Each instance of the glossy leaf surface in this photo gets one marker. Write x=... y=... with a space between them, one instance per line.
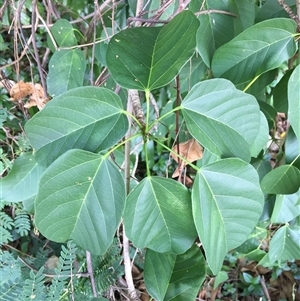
x=81 y=197
x=223 y=119
x=149 y=58
x=158 y=215
x=174 y=277
x=227 y=203
x=88 y=118
x=260 y=48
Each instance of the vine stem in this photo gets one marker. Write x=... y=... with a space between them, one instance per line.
x=126 y=254
x=90 y=272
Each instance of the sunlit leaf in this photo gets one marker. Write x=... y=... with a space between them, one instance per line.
x=227 y=203
x=158 y=215
x=174 y=277
x=81 y=197
x=88 y=118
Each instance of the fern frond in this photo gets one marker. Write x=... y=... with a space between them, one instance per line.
x=41 y=256
x=10 y=275
x=10 y=269
x=34 y=288
x=11 y=291
x=107 y=269
x=5 y=236
x=6 y=221
x=63 y=271
x=22 y=223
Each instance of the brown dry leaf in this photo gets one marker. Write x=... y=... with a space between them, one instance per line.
x=35 y=92
x=20 y=90
x=190 y=150
x=36 y=98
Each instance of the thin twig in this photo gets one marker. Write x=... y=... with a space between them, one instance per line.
x=90 y=272
x=36 y=52
x=264 y=287
x=126 y=255
x=215 y=11
x=290 y=12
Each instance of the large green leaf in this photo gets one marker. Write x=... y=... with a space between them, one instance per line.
x=286 y=208
x=217 y=29
x=66 y=71
x=284 y=244
x=261 y=138
x=272 y=9
x=149 y=58
x=63 y=33
x=88 y=118
x=174 y=277
x=22 y=181
x=158 y=215
x=294 y=101
x=260 y=48
x=227 y=203
x=292 y=149
x=81 y=197
x=223 y=119
x=284 y=179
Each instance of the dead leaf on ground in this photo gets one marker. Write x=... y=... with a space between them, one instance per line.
x=191 y=150
x=35 y=93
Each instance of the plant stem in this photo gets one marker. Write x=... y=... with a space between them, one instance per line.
x=126 y=255
x=90 y=272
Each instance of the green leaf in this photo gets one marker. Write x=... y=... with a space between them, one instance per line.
x=293 y=101
x=158 y=215
x=88 y=118
x=280 y=93
x=227 y=203
x=284 y=244
x=81 y=197
x=284 y=179
x=217 y=29
x=221 y=277
x=3 y=46
x=191 y=73
x=261 y=138
x=63 y=34
x=66 y=71
x=22 y=181
x=149 y=58
x=286 y=208
x=262 y=167
x=174 y=277
x=223 y=119
x=260 y=48
x=272 y=9
x=292 y=149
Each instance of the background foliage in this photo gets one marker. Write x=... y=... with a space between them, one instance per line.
x=101 y=102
